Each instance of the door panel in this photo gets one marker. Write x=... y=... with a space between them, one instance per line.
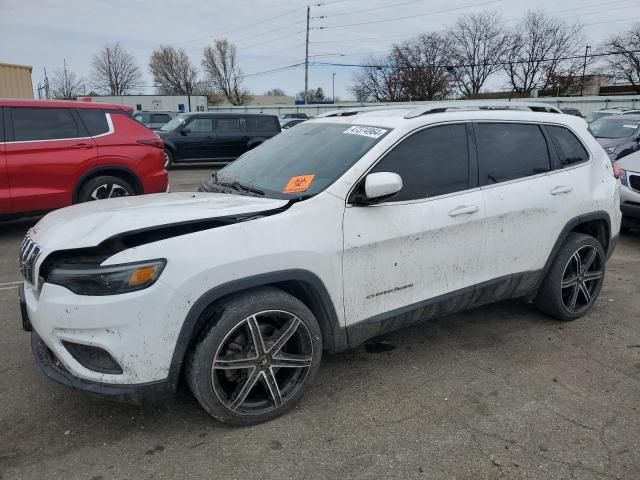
x=197 y=144
x=42 y=169
x=396 y=255
x=231 y=139
x=5 y=194
x=426 y=240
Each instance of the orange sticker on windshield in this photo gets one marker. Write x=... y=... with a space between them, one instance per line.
x=299 y=183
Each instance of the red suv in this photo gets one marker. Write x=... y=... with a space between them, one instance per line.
x=56 y=153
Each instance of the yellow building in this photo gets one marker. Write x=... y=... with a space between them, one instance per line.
x=15 y=81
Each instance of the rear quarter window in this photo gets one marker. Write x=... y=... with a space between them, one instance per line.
x=570 y=150
x=94 y=120
x=262 y=124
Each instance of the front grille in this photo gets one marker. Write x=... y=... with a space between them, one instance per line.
x=29 y=253
x=634 y=182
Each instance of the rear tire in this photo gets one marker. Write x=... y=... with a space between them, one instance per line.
x=574 y=280
x=256 y=360
x=104 y=187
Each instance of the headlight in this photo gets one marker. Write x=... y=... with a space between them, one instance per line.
x=610 y=149
x=623 y=177
x=109 y=280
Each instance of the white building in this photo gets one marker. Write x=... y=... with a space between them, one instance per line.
x=175 y=103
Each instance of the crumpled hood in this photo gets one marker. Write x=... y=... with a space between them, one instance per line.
x=88 y=224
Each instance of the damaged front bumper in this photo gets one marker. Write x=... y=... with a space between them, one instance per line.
x=153 y=393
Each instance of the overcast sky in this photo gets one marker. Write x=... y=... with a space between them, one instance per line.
x=42 y=33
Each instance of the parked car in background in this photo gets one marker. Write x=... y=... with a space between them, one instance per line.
x=214 y=137
x=593 y=116
x=302 y=116
x=630 y=189
x=619 y=135
x=154 y=120
x=285 y=124
x=57 y=153
x=572 y=111
x=333 y=232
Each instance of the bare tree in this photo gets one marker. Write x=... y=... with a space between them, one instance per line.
x=537 y=51
x=219 y=61
x=65 y=85
x=625 y=63
x=421 y=65
x=478 y=45
x=378 y=80
x=275 y=92
x=115 y=71
x=172 y=71
x=313 y=96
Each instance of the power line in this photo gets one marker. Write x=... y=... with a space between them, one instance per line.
x=495 y=64
x=386 y=20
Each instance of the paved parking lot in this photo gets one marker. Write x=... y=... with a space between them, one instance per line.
x=497 y=392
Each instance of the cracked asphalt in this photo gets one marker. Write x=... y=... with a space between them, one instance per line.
x=499 y=392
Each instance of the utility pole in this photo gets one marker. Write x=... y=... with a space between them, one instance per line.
x=333 y=88
x=306 y=58
x=584 y=68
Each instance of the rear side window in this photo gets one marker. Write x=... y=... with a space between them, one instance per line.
x=261 y=124
x=94 y=120
x=431 y=162
x=508 y=151
x=43 y=124
x=160 y=118
x=228 y=124
x=569 y=148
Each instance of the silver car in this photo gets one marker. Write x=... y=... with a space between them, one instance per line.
x=154 y=120
x=630 y=189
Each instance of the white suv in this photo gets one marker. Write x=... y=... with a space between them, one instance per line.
x=331 y=233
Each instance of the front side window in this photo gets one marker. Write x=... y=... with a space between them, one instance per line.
x=569 y=148
x=201 y=125
x=94 y=120
x=302 y=161
x=43 y=124
x=142 y=117
x=508 y=151
x=431 y=162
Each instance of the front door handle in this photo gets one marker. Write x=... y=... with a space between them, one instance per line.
x=463 y=210
x=82 y=145
x=561 y=189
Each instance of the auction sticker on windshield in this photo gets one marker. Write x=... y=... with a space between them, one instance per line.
x=299 y=183
x=372 y=132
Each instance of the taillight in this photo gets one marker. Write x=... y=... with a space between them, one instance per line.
x=152 y=142
x=617 y=172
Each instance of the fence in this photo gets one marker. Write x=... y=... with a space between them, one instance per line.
x=586 y=105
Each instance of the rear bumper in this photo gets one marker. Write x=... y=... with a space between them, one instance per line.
x=156 y=183
x=631 y=211
x=154 y=393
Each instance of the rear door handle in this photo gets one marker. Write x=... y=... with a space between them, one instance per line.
x=463 y=210
x=82 y=145
x=561 y=189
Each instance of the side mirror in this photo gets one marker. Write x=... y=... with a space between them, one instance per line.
x=185 y=131
x=380 y=186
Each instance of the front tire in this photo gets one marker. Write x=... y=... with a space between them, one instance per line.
x=168 y=159
x=574 y=280
x=255 y=362
x=104 y=187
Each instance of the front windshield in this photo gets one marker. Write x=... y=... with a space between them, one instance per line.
x=302 y=161
x=593 y=116
x=614 y=128
x=173 y=124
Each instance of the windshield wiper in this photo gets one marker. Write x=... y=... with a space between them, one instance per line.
x=235 y=185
